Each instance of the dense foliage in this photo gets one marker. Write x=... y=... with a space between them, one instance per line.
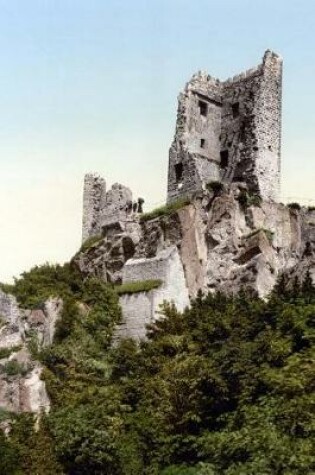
x=224 y=388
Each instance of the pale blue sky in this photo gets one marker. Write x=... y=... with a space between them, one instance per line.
x=91 y=85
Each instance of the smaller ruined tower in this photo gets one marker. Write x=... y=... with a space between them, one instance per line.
x=94 y=195
x=103 y=209
x=229 y=131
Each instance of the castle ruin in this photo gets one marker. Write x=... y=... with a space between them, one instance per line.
x=219 y=238
x=229 y=131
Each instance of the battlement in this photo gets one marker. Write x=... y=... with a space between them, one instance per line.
x=229 y=131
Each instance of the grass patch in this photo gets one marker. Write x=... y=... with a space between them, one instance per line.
x=89 y=242
x=14 y=368
x=139 y=286
x=6 y=352
x=165 y=210
x=4 y=414
x=247 y=199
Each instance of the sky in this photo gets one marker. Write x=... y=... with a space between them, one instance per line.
x=92 y=85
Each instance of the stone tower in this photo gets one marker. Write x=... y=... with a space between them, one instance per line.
x=229 y=131
x=94 y=194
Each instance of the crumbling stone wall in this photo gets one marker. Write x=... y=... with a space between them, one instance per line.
x=104 y=210
x=229 y=131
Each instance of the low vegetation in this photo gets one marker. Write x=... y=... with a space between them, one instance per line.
x=224 y=388
x=14 y=368
x=165 y=210
x=215 y=186
x=269 y=234
x=139 y=286
x=6 y=352
x=294 y=206
x=247 y=199
x=35 y=286
x=90 y=242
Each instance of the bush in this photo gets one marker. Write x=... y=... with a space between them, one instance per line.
x=166 y=210
x=34 y=287
x=215 y=186
x=247 y=199
x=139 y=286
x=6 y=352
x=294 y=206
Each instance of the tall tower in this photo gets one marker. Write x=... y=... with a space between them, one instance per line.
x=229 y=131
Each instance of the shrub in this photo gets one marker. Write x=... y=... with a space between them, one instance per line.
x=14 y=368
x=90 y=242
x=35 y=286
x=247 y=199
x=6 y=352
x=215 y=186
x=165 y=210
x=139 y=286
x=295 y=206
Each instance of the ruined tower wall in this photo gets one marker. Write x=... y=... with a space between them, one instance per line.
x=268 y=117
x=94 y=195
x=195 y=152
x=238 y=127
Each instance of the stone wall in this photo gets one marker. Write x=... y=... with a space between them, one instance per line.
x=142 y=308
x=229 y=131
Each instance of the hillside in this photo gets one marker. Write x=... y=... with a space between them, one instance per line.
x=225 y=387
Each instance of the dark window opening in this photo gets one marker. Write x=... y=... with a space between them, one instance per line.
x=202 y=143
x=270 y=148
x=224 y=155
x=203 y=107
x=178 y=171
x=236 y=109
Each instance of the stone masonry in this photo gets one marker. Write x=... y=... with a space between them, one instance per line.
x=229 y=131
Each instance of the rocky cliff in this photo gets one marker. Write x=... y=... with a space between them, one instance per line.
x=226 y=239
x=22 y=333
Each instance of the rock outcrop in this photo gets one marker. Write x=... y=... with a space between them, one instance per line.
x=223 y=241
x=21 y=330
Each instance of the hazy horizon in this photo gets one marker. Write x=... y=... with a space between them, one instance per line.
x=92 y=87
